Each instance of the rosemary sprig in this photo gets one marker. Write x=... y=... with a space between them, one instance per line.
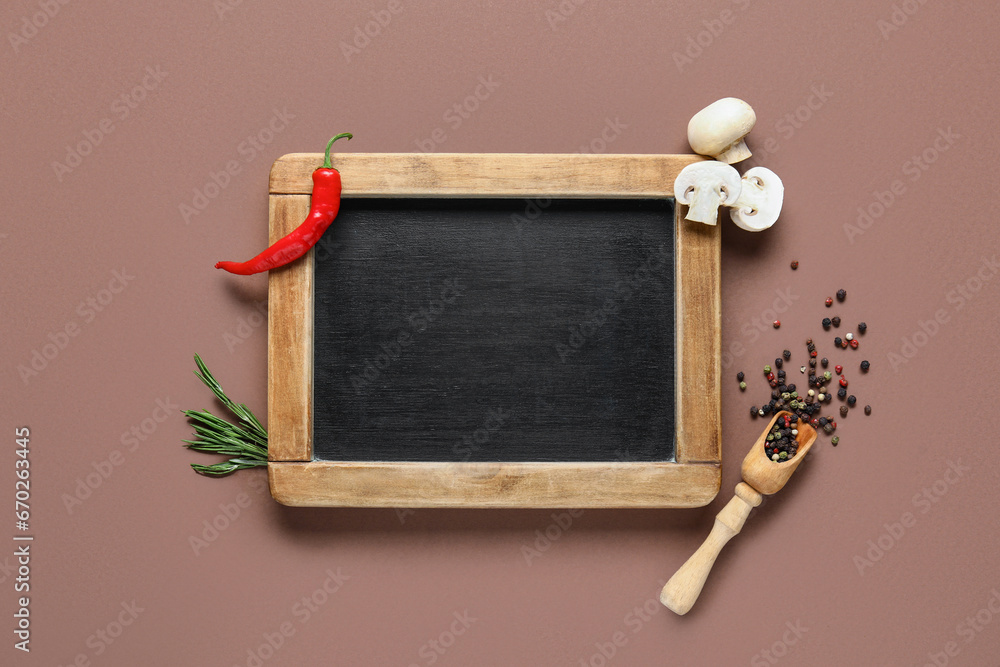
x=245 y=441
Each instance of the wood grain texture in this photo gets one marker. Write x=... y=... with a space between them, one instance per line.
x=418 y=484
x=531 y=176
x=289 y=341
x=567 y=175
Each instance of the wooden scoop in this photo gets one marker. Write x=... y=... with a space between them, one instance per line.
x=761 y=475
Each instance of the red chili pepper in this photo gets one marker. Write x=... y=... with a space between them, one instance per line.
x=323 y=209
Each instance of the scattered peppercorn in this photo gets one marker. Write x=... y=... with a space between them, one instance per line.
x=827 y=428
x=767 y=369
x=795 y=265
x=753 y=410
x=841 y=393
x=851 y=400
x=839 y=369
x=862 y=327
x=825 y=362
x=854 y=344
x=812 y=363
x=777 y=324
x=836 y=321
x=826 y=323
x=843 y=410
x=829 y=302
x=743 y=386
x=868 y=409
x=849 y=336
x=740 y=376
x=837 y=341
x=843 y=381
x=835 y=440
x=865 y=365
x=841 y=294
x=787 y=354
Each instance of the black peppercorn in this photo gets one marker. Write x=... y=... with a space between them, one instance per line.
x=790 y=388
x=843 y=410
x=812 y=363
x=841 y=294
x=862 y=327
x=778 y=362
x=836 y=321
x=865 y=365
x=837 y=341
x=753 y=410
x=868 y=409
x=740 y=376
x=787 y=354
x=822 y=421
x=851 y=400
x=826 y=322
x=825 y=362
x=841 y=393
x=828 y=429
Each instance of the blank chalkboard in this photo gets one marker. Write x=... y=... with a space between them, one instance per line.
x=494 y=330
x=459 y=329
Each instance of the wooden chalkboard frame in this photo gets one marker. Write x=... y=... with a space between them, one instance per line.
x=691 y=480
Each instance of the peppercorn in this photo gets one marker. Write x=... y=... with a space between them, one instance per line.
x=841 y=393
x=841 y=294
x=781 y=375
x=836 y=321
x=802 y=369
x=835 y=440
x=829 y=302
x=868 y=409
x=740 y=376
x=862 y=327
x=826 y=322
x=795 y=265
x=743 y=386
x=865 y=365
x=843 y=410
x=851 y=400
x=767 y=369
x=809 y=341
x=828 y=429
x=791 y=389
x=787 y=354
x=821 y=397
x=854 y=344
x=825 y=362
x=849 y=336
x=843 y=344
x=812 y=363
x=839 y=369
x=753 y=410
x=822 y=421
x=813 y=354
x=777 y=324
x=778 y=363
x=843 y=381
x=837 y=341
x=827 y=375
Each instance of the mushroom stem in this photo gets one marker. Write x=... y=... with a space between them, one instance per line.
x=734 y=153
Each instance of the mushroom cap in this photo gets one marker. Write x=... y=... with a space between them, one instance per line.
x=704 y=186
x=720 y=125
x=760 y=200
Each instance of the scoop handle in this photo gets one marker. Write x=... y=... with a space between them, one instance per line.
x=682 y=590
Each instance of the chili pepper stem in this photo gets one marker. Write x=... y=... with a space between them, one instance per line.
x=326 y=162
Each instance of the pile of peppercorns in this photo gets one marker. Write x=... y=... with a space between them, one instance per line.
x=781 y=444
x=806 y=408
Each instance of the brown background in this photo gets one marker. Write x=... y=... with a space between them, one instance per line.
x=886 y=96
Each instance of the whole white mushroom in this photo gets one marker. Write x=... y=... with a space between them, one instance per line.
x=704 y=186
x=719 y=130
x=761 y=196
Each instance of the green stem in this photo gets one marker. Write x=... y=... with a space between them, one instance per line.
x=326 y=163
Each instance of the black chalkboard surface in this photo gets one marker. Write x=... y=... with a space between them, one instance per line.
x=495 y=330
